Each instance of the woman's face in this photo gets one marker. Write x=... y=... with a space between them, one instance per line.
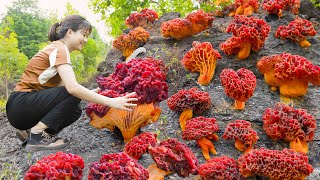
x=79 y=39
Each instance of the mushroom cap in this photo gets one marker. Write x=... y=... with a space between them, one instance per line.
x=199 y=127
x=127 y=43
x=238 y=85
x=275 y=164
x=57 y=166
x=200 y=20
x=139 y=144
x=117 y=166
x=285 y=122
x=249 y=29
x=172 y=155
x=289 y=67
x=143 y=19
x=247 y=3
x=223 y=167
x=177 y=28
x=199 y=101
x=274 y=6
x=241 y=130
x=297 y=30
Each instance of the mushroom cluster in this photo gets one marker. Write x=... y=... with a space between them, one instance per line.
x=245 y=7
x=277 y=6
x=291 y=73
x=297 y=30
x=144 y=76
x=248 y=33
x=143 y=19
x=180 y=28
x=294 y=125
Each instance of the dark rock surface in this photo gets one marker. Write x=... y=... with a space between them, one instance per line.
x=91 y=143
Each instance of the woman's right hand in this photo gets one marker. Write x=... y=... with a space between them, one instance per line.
x=123 y=102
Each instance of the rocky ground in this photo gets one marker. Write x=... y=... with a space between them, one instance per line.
x=91 y=143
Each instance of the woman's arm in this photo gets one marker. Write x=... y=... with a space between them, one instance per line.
x=67 y=75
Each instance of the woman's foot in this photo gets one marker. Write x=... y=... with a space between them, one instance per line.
x=45 y=141
x=22 y=135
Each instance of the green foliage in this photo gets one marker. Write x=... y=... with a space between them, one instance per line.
x=115 y=12
x=316 y=3
x=10 y=171
x=12 y=61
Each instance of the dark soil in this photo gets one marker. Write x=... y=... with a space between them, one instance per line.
x=91 y=143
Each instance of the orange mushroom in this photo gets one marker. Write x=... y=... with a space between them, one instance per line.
x=201 y=58
x=277 y=6
x=127 y=43
x=245 y=7
x=291 y=73
x=248 y=33
x=187 y=102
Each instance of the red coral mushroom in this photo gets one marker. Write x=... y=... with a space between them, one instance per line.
x=297 y=30
x=245 y=7
x=57 y=166
x=143 y=19
x=180 y=28
x=238 y=85
x=187 y=102
x=202 y=129
x=117 y=166
x=139 y=144
x=242 y=132
x=274 y=164
x=220 y=168
x=248 y=33
x=276 y=6
x=144 y=76
x=291 y=73
x=172 y=155
x=127 y=43
x=201 y=58
x=294 y=125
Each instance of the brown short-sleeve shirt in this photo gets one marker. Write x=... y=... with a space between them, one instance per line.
x=44 y=63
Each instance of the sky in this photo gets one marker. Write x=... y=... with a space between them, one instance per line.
x=60 y=7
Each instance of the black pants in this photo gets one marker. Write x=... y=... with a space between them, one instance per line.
x=54 y=107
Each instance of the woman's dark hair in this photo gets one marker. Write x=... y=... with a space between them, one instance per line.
x=75 y=22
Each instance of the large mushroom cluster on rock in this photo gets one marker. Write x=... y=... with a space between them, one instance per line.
x=147 y=76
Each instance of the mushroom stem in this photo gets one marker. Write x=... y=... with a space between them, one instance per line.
x=239 y=10
x=239 y=105
x=271 y=80
x=279 y=13
x=206 y=146
x=244 y=50
x=304 y=43
x=294 y=88
x=239 y=145
x=299 y=145
x=213 y=136
x=184 y=117
x=207 y=73
x=68 y=178
x=232 y=14
x=155 y=173
x=126 y=53
x=248 y=10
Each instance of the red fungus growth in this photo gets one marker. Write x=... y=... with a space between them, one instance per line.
x=248 y=33
x=139 y=144
x=201 y=58
x=144 y=76
x=224 y=168
x=291 y=73
x=187 y=102
x=277 y=6
x=275 y=164
x=242 y=132
x=245 y=7
x=294 y=125
x=239 y=85
x=143 y=19
x=297 y=30
x=172 y=155
x=57 y=166
x=117 y=166
x=127 y=43
x=180 y=28
x=202 y=129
